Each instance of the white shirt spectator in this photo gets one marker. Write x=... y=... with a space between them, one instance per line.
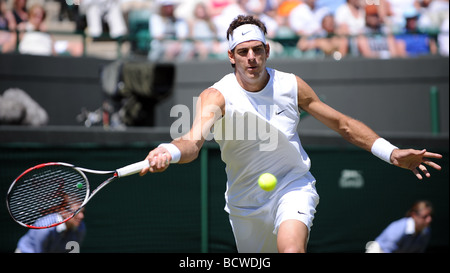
x=305 y=21
x=354 y=24
x=398 y=7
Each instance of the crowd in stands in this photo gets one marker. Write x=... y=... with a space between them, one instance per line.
x=188 y=29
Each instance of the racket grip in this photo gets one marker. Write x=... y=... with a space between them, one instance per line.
x=132 y=168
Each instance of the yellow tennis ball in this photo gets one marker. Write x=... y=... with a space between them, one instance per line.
x=267 y=181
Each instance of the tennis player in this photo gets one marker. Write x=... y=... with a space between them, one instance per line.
x=279 y=220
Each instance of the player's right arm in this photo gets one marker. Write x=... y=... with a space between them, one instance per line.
x=210 y=107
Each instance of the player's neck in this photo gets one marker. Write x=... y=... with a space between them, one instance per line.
x=253 y=84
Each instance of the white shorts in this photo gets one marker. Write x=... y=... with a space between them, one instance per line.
x=257 y=233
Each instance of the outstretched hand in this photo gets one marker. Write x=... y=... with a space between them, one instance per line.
x=415 y=160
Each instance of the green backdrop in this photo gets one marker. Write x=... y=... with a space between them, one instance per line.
x=181 y=210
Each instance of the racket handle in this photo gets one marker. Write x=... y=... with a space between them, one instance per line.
x=133 y=168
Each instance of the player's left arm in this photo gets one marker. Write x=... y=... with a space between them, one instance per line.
x=361 y=135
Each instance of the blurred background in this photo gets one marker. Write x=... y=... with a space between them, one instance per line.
x=93 y=82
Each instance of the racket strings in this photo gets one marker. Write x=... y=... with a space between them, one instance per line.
x=54 y=191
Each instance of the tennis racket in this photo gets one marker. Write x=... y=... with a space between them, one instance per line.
x=50 y=194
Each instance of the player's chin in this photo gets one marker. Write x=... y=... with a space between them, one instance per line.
x=253 y=74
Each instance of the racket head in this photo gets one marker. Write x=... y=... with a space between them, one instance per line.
x=47 y=195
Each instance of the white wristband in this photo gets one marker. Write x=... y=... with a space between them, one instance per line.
x=174 y=152
x=382 y=149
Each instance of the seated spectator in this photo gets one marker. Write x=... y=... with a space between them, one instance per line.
x=410 y=234
x=432 y=14
x=228 y=14
x=55 y=239
x=282 y=17
x=203 y=31
x=305 y=19
x=36 y=41
x=7 y=38
x=256 y=8
x=216 y=7
x=108 y=10
x=169 y=34
x=416 y=43
x=18 y=14
x=286 y=6
x=350 y=18
x=332 y=5
x=392 y=13
x=270 y=7
x=376 y=41
x=326 y=41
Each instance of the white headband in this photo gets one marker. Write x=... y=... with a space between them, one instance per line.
x=245 y=33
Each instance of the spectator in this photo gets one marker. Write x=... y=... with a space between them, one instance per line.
x=350 y=18
x=68 y=11
x=169 y=34
x=432 y=14
x=416 y=43
x=203 y=31
x=410 y=234
x=7 y=38
x=257 y=9
x=392 y=13
x=19 y=14
x=36 y=41
x=217 y=6
x=228 y=14
x=286 y=6
x=108 y=10
x=332 y=5
x=327 y=41
x=376 y=41
x=270 y=7
x=55 y=239
x=223 y=20
x=305 y=19
x=282 y=17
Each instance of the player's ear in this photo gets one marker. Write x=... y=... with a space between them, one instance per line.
x=267 y=50
x=231 y=57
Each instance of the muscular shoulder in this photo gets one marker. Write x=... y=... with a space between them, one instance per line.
x=306 y=95
x=213 y=97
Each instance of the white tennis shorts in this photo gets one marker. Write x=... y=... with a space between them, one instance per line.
x=257 y=233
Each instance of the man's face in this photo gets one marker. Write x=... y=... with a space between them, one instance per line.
x=422 y=218
x=75 y=222
x=250 y=59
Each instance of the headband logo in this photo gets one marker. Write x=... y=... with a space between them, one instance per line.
x=245 y=33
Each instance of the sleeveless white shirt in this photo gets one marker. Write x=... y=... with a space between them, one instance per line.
x=258 y=134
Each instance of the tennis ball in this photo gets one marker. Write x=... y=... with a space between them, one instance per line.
x=267 y=181
x=79 y=185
